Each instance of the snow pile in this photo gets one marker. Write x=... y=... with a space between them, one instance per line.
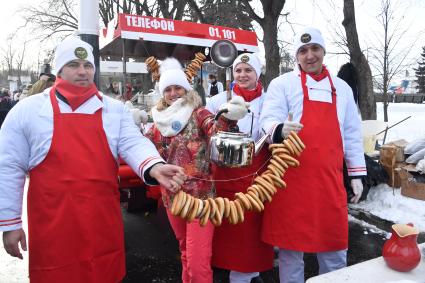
x=388 y=203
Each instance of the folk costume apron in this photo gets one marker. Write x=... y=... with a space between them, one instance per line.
x=310 y=215
x=239 y=247
x=74 y=217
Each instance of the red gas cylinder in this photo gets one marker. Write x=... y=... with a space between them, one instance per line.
x=401 y=251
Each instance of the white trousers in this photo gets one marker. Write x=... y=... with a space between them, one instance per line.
x=291 y=264
x=241 y=277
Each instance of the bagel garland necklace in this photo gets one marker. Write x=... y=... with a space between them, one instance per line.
x=262 y=189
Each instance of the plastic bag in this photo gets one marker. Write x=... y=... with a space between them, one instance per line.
x=414 y=158
x=414 y=146
x=421 y=166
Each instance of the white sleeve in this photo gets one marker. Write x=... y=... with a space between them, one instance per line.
x=353 y=143
x=214 y=103
x=137 y=150
x=275 y=106
x=220 y=87
x=14 y=159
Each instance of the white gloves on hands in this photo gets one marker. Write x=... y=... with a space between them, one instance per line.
x=139 y=116
x=289 y=126
x=357 y=186
x=237 y=108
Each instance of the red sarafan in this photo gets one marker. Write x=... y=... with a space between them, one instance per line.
x=401 y=251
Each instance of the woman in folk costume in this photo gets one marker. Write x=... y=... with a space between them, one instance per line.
x=239 y=248
x=180 y=133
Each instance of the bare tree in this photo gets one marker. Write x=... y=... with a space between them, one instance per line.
x=269 y=23
x=19 y=63
x=8 y=54
x=52 y=17
x=389 y=56
x=365 y=85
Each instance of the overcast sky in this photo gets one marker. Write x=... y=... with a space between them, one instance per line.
x=326 y=17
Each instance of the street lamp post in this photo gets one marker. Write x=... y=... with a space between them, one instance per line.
x=88 y=28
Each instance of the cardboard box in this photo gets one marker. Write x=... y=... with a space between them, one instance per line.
x=409 y=185
x=387 y=158
x=399 y=149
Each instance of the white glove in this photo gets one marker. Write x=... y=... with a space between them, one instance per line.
x=139 y=116
x=237 y=108
x=289 y=126
x=357 y=186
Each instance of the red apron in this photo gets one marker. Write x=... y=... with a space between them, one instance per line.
x=239 y=247
x=74 y=217
x=310 y=215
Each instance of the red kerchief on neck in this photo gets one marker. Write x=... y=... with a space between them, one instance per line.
x=74 y=94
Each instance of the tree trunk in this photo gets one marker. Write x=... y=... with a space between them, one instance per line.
x=271 y=48
x=365 y=85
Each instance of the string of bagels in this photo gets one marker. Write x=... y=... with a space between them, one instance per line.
x=263 y=188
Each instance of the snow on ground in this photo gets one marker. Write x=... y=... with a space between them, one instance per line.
x=382 y=200
x=388 y=203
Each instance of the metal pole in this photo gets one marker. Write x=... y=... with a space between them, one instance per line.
x=88 y=28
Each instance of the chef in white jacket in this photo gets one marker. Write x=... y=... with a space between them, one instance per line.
x=68 y=139
x=310 y=215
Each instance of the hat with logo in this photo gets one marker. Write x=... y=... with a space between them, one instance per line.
x=172 y=74
x=72 y=48
x=308 y=35
x=250 y=59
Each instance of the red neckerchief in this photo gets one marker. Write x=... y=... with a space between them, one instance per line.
x=249 y=95
x=75 y=95
x=323 y=74
x=320 y=76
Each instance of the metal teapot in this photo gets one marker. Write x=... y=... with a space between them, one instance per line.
x=234 y=149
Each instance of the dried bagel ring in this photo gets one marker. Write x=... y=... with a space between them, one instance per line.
x=187 y=206
x=289 y=158
x=233 y=217
x=206 y=207
x=204 y=219
x=296 y=145
x=281 y=161
x=240 y=211
x=257 y=200
x=300 y=142
x=176 y=201
x=244 y=200
x=200 y=208
x=289 y=146
x=213 y=206
x=193 y=211
x=226 y=207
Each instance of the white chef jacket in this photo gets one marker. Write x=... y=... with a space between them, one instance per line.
x=244 y=124
x=26 y=136
x=285 y=95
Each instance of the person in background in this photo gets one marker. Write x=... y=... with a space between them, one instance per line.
x=239 y=248
x=180 y=133
x=310 y=215
x=6 y=104
x=197 y=85
x=113 y=90
x=68 y=140
x=214 y=86
x=348 y=73
x=44 y=81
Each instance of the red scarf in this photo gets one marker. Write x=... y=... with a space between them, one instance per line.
x=320 y=76
x=248 y=95
x=75 y=95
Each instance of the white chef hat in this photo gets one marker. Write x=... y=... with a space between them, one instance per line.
x=72 y=48
x=172 y=74
x=308 y=35
x=250 y=59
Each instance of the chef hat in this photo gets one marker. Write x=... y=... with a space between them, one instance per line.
x=249 y=59
x=308 y=35
x=72 y=48
x=172 y=74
